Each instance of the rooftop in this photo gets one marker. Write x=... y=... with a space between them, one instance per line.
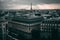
x=27 y=20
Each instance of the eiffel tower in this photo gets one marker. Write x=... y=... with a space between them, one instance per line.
x=31 y=7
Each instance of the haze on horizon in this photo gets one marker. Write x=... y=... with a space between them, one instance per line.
x=25 y=4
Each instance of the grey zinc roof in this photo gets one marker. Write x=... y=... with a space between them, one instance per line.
x=27 y=21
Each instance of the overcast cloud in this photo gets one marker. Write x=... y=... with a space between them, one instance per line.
x=8 y=4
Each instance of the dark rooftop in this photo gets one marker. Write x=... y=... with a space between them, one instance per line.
x=28 y=21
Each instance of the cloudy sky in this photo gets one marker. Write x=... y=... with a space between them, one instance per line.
x=25 y=4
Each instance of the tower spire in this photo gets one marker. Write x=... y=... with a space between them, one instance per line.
x=31 y=6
